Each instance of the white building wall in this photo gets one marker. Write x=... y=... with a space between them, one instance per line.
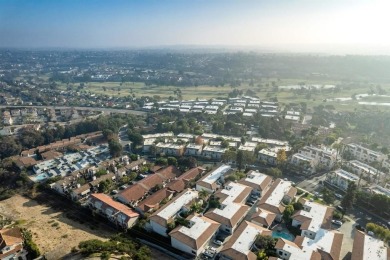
x=200 y=188
x=158 y=228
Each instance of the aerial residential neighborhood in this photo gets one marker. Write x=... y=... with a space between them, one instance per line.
x=221 y=130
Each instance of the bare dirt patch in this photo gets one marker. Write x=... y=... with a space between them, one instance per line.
x=52 y=231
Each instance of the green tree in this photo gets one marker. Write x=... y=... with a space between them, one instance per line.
x=328 y=196
x=349 y=198
x=115 y=148
x=288 y=212
x=266 y=243
x=274 y=172
x=229 y=156
x=172 y=161
x=136 y=139
x=281 y=157
x=162 y=161
x=105 y=186
x=203 y=194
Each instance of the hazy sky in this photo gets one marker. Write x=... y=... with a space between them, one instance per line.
x=348 y=25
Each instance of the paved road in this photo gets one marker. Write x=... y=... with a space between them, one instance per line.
x=102 y=109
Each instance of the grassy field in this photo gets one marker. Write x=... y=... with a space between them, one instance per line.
x=263 y=89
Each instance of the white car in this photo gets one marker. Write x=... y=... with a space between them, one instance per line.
x=339 y=196
x=337 y=222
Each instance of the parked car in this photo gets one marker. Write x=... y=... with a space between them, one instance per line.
x=217 y=242
x=358 y=227
x=340 y=208
x=249 y=203
x=337 y=222
x=339 y=196
x=114 y=192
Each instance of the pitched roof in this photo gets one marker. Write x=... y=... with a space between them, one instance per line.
x=198 y=234
x=133 y=193
x=10 y=236
x=216 y=214
x=25 y=161
x=365 y=246
x=272 y=199
x=191 y=174
x=238 y=246
x=51 y=155
x=177 y=185
x=163 y=215
x=153 y=201
x=108 y=202
x=168 y=172
x=263 y=217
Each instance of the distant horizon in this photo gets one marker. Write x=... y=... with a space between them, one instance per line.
x=301 y=26
x=296 y=50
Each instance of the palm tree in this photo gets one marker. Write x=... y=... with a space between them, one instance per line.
x=203 y=194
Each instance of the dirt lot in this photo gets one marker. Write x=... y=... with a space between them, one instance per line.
x=53 y=232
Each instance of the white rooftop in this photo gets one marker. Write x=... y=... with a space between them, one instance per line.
x=346 y=175
x=365 y=167
x=197 y=228
x=168 y=134
x=268 y=152
x=256 y=178
x=381 y=190
x=216 y=149
x=245 y=241
x=277 y=195
x=175 y=206
x=270 y=141
x=316 y=214
x=216 y=174
x=374 y=249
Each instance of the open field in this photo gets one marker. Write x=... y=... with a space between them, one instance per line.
x=263 y=89
x=52 y=231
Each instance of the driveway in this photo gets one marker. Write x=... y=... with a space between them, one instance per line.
x=348 y=230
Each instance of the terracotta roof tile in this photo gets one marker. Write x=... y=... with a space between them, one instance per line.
x=153 y=201
x=108 y=202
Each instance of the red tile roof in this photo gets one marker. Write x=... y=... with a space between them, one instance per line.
x=108 y=202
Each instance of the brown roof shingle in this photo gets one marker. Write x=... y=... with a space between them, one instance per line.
x=153 y=201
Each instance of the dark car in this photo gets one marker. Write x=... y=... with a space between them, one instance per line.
x=358 y=227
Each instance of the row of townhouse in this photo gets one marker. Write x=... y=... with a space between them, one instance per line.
x=195 y=236
x=317 y=240
x=69 y=186
x=364 y=154
x=341 y=179
x=141 y=196
x=179 y=184
x=117 y=213
x=62 y=144
x=65 y=165
x=208 y=148
x=310 y=158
